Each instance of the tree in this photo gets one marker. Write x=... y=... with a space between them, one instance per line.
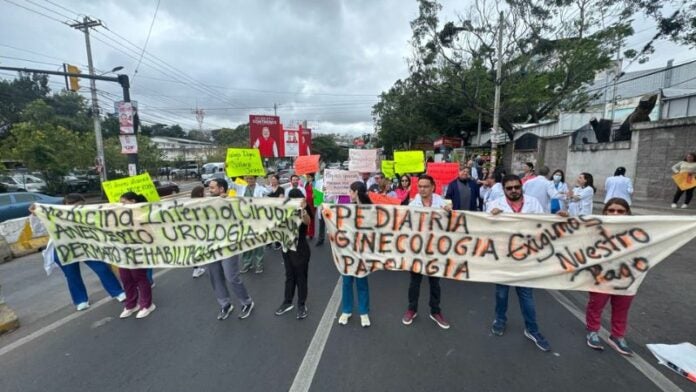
x=228 y=137
x=326 y=146
x=149 y=157
x=16 y=94
x=200 y=136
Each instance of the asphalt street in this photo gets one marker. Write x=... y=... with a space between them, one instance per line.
x=182 y=347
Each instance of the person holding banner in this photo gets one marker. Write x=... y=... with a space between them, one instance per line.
x=253 y=257
x=620 y=304
x=227 y=270
x=358 y=195
x=275 y=189
x=135 y=282
x=426 y=197
x=296 y=264
x=295 y=184
x=515 y=202
x=76 y=286
x=688 y=166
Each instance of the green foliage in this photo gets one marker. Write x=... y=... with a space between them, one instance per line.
x=16 y=94
x=149 y=157
x=228 y=137
x=326 y=146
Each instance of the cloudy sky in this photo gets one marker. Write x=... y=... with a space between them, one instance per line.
x=320 y=61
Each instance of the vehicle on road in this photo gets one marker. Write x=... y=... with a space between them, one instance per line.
x=345 y=165
x=184 y=172
x=215 y=176
x=16 y=204
x=166 y=188
x=23 y=182
x=74 y=183
x=210 y=169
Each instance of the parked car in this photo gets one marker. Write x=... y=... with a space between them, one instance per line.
x=186 y=171
x=8 y=184
x=345 y=165
x=23 y=182
x=16 y=204
x=75 y=184
x=210 y=169
x=166 y=188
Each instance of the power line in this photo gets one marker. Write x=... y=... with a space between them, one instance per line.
x=146 y=41
x=29 y=61
x=49 y=9
x=61 y=7
x=35 y=11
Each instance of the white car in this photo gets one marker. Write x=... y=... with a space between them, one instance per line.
x=24 y=182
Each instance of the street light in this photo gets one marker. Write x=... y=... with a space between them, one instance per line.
x=116 y=69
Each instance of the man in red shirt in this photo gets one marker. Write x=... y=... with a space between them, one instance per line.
x=266 y=144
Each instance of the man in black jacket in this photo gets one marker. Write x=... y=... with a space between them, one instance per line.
x=463 y=191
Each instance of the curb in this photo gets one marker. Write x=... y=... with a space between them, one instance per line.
x=8 y=319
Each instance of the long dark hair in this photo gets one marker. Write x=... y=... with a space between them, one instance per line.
x=401 y=185
x=562 y=174
x=589 y=180
x=361 y=189
x=617 y=200
x=134 y=197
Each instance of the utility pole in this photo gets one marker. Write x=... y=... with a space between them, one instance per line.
x=496 y=108
x=86 y=24
x=617 y=75
x=275 y=109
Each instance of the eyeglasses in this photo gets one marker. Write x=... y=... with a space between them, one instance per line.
x=617 y=211
x=513 y=188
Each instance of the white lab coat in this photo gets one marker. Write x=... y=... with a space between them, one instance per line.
x=618 y=186
x=581 y=203
x=530 y=206
x=541 y=189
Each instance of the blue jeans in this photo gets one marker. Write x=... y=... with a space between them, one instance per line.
x=363 y=294
x=76 y=286
x=526 y=298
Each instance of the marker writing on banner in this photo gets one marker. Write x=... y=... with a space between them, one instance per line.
x=689 y=376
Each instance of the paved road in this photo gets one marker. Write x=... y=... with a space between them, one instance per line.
x=182 y=347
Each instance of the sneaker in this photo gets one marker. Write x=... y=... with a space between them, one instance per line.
x=258 y=270
x=320 y=243
x=539 y=340
x=594 y=341
x=364 y=320
x=121 y=297
x=674 y=205
x=246 y=310
x=83 y=305
x=498 y=328
x=145 y=312
x=685 y=206
x=408 y=317
x=301 y=312
x=284 y=308
x=439 y=319
x=343 y=318
x=198 y=272
x=128 y=312
x=225 y=312
x=620 y=345
x=277 y=246
x=245 y=269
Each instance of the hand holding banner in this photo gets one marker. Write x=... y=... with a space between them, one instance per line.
x=409 y=162
x=443 y=173
x=244 y=162
x=362 y=161
x=684 y=181
x=141 y=184
x=307 y=164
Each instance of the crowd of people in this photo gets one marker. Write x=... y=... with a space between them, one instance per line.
x=538 y=191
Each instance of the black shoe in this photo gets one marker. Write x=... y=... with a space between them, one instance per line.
x=320 y=243
x=225 y=312
x=301 y=312
x=284 y=308
x=246 y=310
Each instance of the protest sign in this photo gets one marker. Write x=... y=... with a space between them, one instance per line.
x=244 y=162
x=307 y=164
x=388 y=169
x=609 y=254
x=318 y=197
x=170 y=234
x=409 y=162
x=443 y=173
x=362 y=161
x=684 y=181
x=337 y=182
x=378 y=198
x=414 y=188
x=141 y=184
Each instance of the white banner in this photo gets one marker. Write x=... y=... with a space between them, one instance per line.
x=607 y=254
x=362 y=161
x=337 y=182
x=169 y=234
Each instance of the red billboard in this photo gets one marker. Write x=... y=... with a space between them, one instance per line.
x=305 y=141
x=266 y=134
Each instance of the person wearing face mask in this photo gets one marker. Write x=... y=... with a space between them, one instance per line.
x=559 y=184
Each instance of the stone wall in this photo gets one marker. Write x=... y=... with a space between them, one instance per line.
x=554 y=152
x=661 y=144
x=601 y=160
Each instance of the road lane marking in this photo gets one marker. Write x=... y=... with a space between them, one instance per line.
x=637 y=361
x=59 y=323
x=308 y=367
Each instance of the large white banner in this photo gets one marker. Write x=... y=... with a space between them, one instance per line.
x=169 y=234
x=607 y=254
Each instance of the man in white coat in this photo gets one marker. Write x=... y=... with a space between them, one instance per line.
x=541 y=189
x=515 y=202
x=619 y=186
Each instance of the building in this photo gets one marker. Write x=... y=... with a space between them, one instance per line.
x=174 y=149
